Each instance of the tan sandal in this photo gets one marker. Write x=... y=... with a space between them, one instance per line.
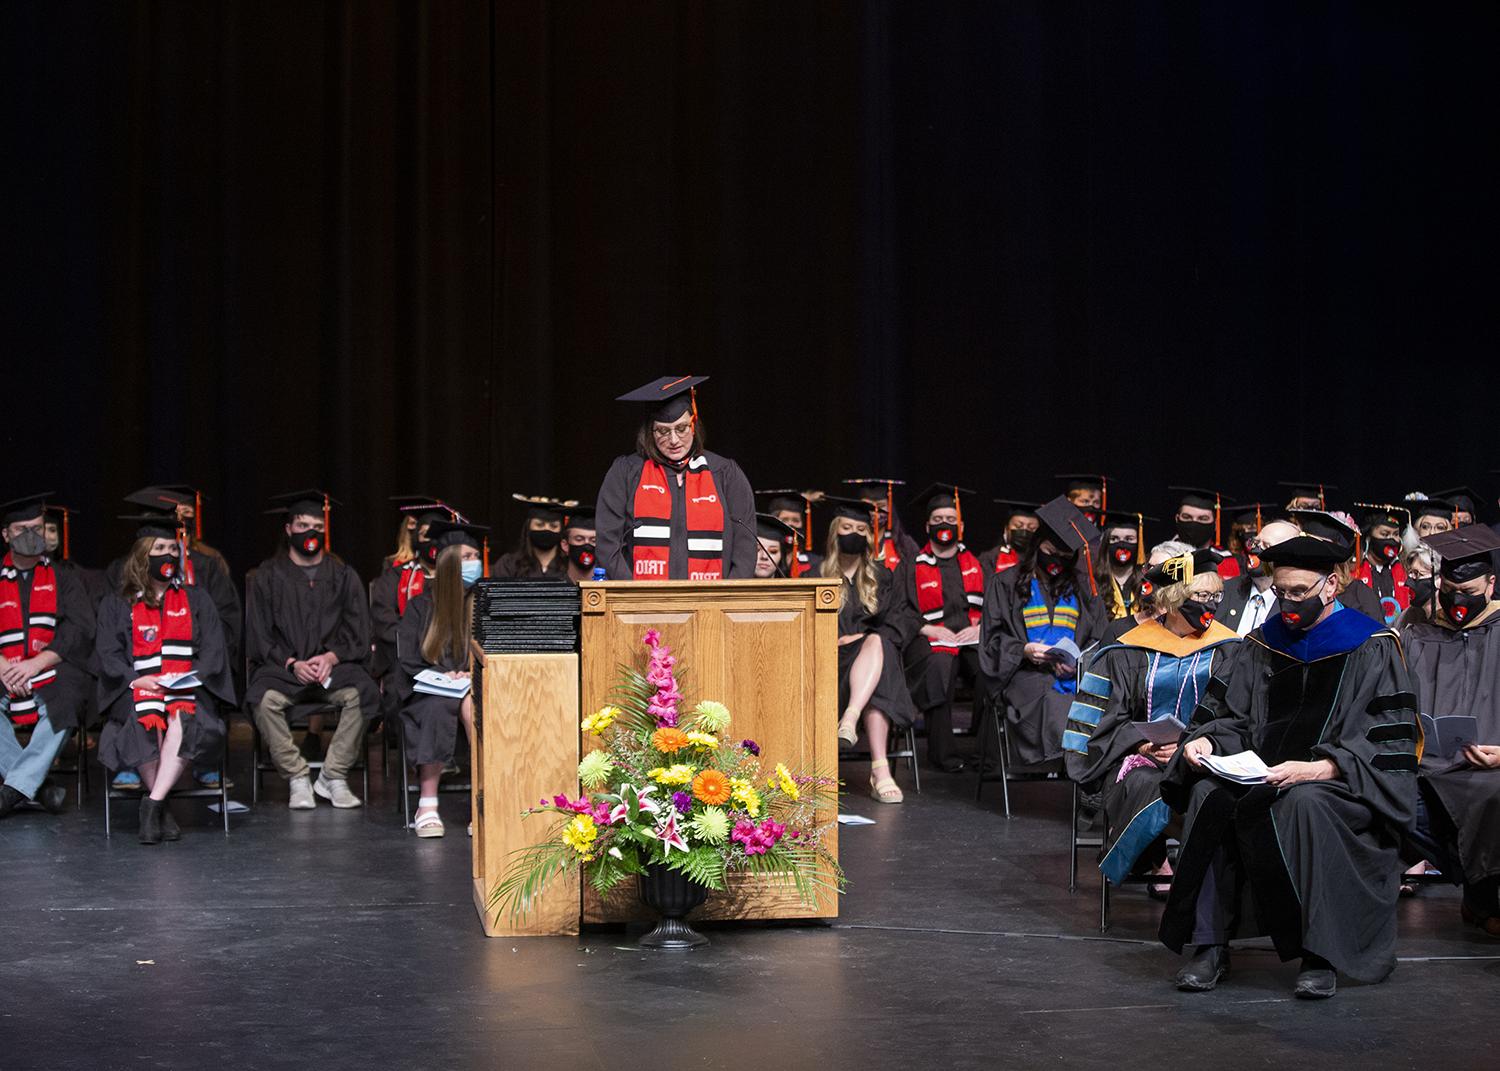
x=848 y=732
x=883 y=789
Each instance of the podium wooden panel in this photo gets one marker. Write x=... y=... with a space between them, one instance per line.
x=527 y=749
x=766 y=649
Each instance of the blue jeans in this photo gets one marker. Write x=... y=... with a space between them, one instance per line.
x=25 y=767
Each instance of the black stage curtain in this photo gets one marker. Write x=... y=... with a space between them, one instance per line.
x=388 y=247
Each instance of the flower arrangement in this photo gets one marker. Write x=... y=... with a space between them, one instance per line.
x=672 y=789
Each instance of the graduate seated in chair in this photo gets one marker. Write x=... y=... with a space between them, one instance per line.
x=434 y=636
x=1306 y=854
x=1455 y=662
x=1034 y=615
x=308 y=638
x=872 y=688
x=155 y=628
x=46 y=639
x=537 y=552
x=580 y=543
x=1135 y=702
x=408 y=572
x=776 y=547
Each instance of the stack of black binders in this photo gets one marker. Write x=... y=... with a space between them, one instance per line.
x=525 y=616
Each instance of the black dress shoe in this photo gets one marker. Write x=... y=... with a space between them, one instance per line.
x=150 y=820
x=1316 y=980
x=52 y=797
x=1204 y=970
x=10 y=799
x=170 y=830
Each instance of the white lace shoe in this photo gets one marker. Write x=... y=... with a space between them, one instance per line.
x=301 y=794
x=336 y=793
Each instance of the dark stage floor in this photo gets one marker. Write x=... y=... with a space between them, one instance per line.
x=334 y=939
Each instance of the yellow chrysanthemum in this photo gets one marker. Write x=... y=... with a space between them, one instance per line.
x=679 y=774
x=743 y=793
x=784 y=780
x=600 y=720
x=707 y=740
x=711 y=717
x=595 y=769
x=580 y=834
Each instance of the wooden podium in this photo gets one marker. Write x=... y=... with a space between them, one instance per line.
x=766 y=649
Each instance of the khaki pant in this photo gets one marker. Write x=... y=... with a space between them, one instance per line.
x=270 y=719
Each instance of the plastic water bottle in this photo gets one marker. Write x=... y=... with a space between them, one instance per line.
x=598 y=572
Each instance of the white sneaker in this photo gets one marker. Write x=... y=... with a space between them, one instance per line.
x=301 y=794
x=336 y=792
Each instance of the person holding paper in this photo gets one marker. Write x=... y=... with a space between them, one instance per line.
x=307 y=634
x=1321 y=693
x=1030 y=613
x=433 y=637
x=1455 y=661
x=941 y=589
x=1134 y=701
x=163 y=666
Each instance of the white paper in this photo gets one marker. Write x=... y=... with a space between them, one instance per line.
x=1064 y=651
x=855 y=820
x=176 y=682
x=1166 y=730
x=1247 y=767
x=431 y=682
x=235 y=807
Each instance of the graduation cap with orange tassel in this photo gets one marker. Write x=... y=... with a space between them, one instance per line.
x=311 y=502
x=943 y=496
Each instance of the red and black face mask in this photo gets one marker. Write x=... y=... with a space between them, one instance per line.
x=1053 y=565
x=942 y=535
x=1198 y=614
x=1461 y=606
x=582 y=555
x=1302 y=613
x=1122 y=553
x=162 y=566
x=1384 y=550
x=309 y=544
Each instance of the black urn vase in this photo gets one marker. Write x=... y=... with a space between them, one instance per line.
x=671 y=894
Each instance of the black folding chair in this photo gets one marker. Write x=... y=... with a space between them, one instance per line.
x=79 y=766
x=997 y=712
x=178 y=792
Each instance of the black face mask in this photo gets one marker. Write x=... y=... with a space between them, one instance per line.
x=942 y=535
x=1384 y=550
x=1021 y=539
x=1093 y=516
x=1460 y=606
x=427 y=552
x=162 y=566
x=1421 y=588
x=1123 y=553
x=543 y=538
x=1301 y=614
x=853 y=543
x=1053 y=565
x=1199 y=615
x=309 y=544
x=583 y=555
x=1195 y=533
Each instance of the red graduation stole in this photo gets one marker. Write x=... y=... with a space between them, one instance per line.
x=887 y=554
x=24 y=637
x=1005 y=558
x=409 y=583
x=930 y=589
x=161 y=641
x=652 y=536
x=801 y=564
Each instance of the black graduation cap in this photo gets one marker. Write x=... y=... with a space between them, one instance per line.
x=874 y=485
x=1064 y=522
x=668 y=397
x=452 y=533
x=779 y=499
x=1257 y=513
x=1377 y=513
x=1466 y=552
x=1464 y=499
x=309 y=502
x=154 y=523
x=856 y=509
x=188 y=495
x=580 y=516
x=772 y=528
x=62 y=516
x=1121 y=518
x=1432 y=507
x=157 y=497
x=1306 y=552
x=427 y=508
x=1015 y=507
x=544 y=508
x=1180 y=570
x=1308 y=489
x=1324 y=525
x=940 y=495
x=24 y=509
x=1086 y=481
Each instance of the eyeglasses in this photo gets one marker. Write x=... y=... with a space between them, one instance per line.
x=682 y=431
x=1299 y=594
x=1207 y=600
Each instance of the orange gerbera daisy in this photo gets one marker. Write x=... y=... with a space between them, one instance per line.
x=669 y=740
x=711 y=786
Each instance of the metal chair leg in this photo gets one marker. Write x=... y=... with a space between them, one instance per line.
x=108 y=788
x=224 y=784
x=405 y=787
x=1073 y=850
x=1103 y=903
x=1002 y=743
x=984 y=741
x=911 y=748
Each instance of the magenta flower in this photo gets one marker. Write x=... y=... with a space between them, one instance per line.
x=682 y=801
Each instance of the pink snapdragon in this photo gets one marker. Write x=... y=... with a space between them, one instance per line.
x=758 y=839
x=663 y=705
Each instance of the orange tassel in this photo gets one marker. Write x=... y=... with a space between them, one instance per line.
x=807 y=523
x=198 y=516
x=327 y=531
x=958 y=508
x=1140 y=539
x=65 y=535
x=1088 y=558
x=1218 y=527
x=485 y=551
x=1258 y=524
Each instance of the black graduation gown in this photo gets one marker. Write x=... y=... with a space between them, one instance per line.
x=69 y=696
x=385 y=617
x=95 y=582
x=615 y=519
x=1458 y=672
x=125 y=744
x=518 y=563
x=1114 y=698
x=429 y=722
x=1037 y=712
x=891 y=696
x=211 y=573
x=930 y=674
x=1320 y=858
x=1359 y=596
x=287 y=617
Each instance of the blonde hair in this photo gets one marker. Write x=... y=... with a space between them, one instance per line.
x=1170 y=598
x=404 y=552
x=866 y=578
